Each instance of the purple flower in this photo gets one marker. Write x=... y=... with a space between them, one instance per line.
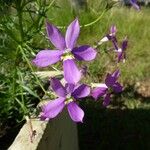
x=65 y=51
x=110 y=37
x=112 y=32
x=84 y=70
x=134 y=4
x=105 y=89
x=122 y=51
x=67 y=96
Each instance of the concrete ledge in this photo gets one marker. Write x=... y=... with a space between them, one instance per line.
x=57 y=134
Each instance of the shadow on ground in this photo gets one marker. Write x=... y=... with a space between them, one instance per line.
x=116 y=127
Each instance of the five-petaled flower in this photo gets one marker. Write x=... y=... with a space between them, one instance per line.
x=65 y=51
x=106 y=89
x=67 y=96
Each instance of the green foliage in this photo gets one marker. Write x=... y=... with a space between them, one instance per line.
x=22 y=34
x=21 y=22
x=22 y=28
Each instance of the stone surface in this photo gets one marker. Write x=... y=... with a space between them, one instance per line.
x=57 y=134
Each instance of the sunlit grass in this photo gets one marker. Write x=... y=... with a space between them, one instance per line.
x=129 y=22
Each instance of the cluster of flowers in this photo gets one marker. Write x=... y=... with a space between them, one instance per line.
x=71 y=91
x=121 y=51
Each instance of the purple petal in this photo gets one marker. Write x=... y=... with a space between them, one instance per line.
x=53 y=108
x=84 y=71
x=82 y=91
x=113 y=30
x=47 y=57
x=109 y=37
x=98 y=92
x=116 y=74
x=117 y=87
x=124 y=56
x=120 y=56
x=55 y=36
x=71 y=73
x=75 y=112
x=124 y=44
x=113 y=39
x=58 y=87
x=72 y=34
x=85 y=52
x=115 y=44
x=69 y=87
x=106 y=100
x=110 y=80
x=134 y=4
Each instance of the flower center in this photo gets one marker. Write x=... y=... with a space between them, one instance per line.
x=110 y=90
x=68 y=50
x=67 y=55
x=119 y=50
x=69 y=99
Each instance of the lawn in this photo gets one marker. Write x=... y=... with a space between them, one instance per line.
x=129 y=22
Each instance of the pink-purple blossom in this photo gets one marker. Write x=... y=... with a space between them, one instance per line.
x=105 y=89
x=67 y=96
x=65 y=51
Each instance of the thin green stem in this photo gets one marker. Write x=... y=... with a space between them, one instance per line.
x=95 y=21
x=51 y=4
x=21 y=90
x=29 y=64
x=20 y=19
x=25 y=110
x=89 y=24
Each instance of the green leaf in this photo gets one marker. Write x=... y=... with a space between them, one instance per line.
x=30 y=91
x=47 y=74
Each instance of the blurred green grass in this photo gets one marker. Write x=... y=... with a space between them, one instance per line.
x=129 y=22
